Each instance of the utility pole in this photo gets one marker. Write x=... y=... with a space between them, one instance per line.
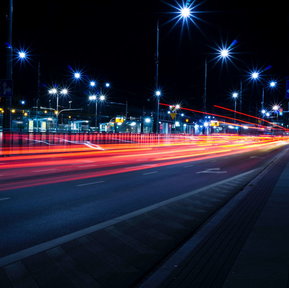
x=157 y=76
x=205 y=87
x=7 y=121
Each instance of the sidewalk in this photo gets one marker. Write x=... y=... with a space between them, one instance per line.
x=247 y=247
x=264 y=259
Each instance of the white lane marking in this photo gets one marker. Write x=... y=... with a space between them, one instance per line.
x=117 y=162
x=38 y=171
x=91 y=183
x=4 y=199
x=252 y=157
x=187 y=166
x=93 y=146
x=148 y=173
x=212 y=171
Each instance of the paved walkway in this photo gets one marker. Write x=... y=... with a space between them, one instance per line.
x=264 y=259
x=246 y=246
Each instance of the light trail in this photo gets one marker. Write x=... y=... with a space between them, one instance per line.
x=20 y=171
x=216 y=115
x=260 y=127
x=258 y=118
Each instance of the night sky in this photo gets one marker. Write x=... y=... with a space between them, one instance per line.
x=115 y=41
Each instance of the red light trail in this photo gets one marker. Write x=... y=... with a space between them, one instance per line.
x=59 y=163
x=234 y=119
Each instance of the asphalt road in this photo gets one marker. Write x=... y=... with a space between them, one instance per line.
x=64 y=197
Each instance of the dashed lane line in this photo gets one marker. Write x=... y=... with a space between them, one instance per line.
x=148 y=173
x=90 y=183
x=4 y=199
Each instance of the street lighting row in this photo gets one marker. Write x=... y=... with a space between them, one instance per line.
x=185 y=12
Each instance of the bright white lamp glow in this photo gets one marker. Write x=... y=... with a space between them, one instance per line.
x=92 y=97
x=224 y=53
x=77 y=75
x=22 y=54
x=52 y=91
x=158 y=93
x=64 y=91
x=255 y=75
x=92 y=83
x=102 y=97
x=235 y=95
x=272 y=84
x=185 y=12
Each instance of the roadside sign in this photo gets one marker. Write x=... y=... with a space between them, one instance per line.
x=173 y=115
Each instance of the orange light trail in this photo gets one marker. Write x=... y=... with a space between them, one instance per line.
x=78 y=162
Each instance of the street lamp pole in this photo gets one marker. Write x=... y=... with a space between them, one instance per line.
x=157 y=92
x=7 y=121
x=205 y=86
x=157 y=56
x=158 y=95
x=235 y=96
x=224 y=53
x=54 y=91
x=241 y=95
x=96 y=113
x=263 y=96
x=96 y=98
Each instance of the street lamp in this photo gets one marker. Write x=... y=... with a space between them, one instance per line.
x=77 y=75
x=55 y=92
x=272 y=84
x=276 y=109
x=184 y=13
x=96 y=98
x=223 y=54
x=235 y=96
x=158 y=94
x=22 y=55
x=92 y=83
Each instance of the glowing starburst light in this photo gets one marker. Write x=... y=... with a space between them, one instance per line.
x=185 y=12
